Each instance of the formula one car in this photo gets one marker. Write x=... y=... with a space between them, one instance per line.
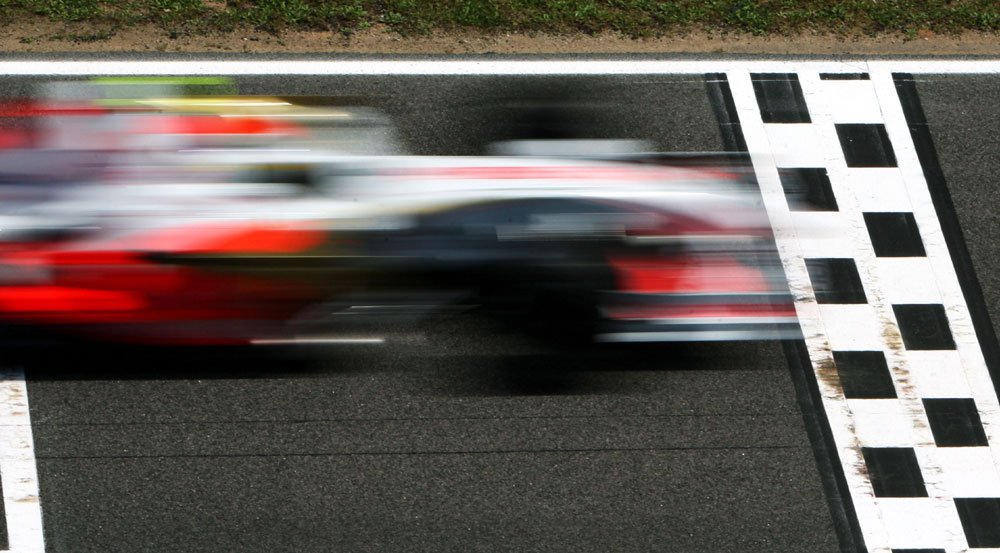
x=306 y=247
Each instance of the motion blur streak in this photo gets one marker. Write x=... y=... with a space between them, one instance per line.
x=174 y=211
x=266 y=342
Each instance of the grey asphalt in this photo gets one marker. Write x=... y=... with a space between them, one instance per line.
x=964 y=119
x=472 y=439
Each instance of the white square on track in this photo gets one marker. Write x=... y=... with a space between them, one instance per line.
x=959 y=471
x=797 y=145
x=852 y=327
x=907 y=280
x=932 y=374
x=873 y=188
x=849 y=101
x=823 y=234
x=890 y=423
x=920 y=522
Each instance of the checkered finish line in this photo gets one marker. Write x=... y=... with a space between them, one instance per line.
x=901 y=373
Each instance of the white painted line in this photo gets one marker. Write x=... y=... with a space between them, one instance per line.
x=964 y=472
x=383 y=67
x=388 y=67
x=927 y=380
x=907 y=280
x=850 y=101
x=903 y=518
x=795 y=145
x=850 y=327
x=890 y=422
x=874 y=189
x=17 y=466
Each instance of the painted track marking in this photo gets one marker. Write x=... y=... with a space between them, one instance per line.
x=17 y=466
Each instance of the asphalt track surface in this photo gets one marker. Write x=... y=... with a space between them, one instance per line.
x=469 y=437
x=964 y=118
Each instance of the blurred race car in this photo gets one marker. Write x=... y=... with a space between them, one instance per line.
x=308 y=247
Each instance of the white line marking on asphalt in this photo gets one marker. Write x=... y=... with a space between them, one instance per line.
x=17 y=466
x=478 y=67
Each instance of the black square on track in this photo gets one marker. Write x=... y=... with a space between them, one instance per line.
x=894 y=472
x=894 y=235
x=864 y=375
x=955 y=422
x=866 y=145
x=980 y=518
x=924 y=326
x=836 y=280
x=780 y=98
x=808 y=189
